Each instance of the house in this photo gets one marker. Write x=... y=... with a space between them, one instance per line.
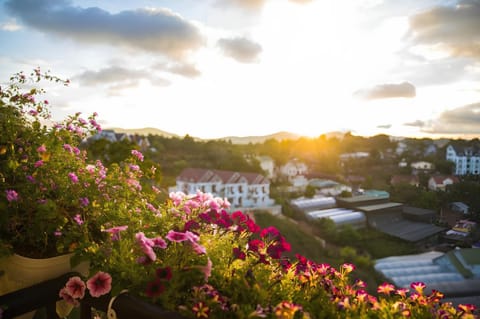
x=466 y=159
x=250 y=190
x=109 y=135
x=430 y=149
x=405 y=180
x=355 y=155
x=421 y=167
x=293 y=168
x=295 y=172
x=328 y=187
x=403 y=163
x=267 y=164
x=440 y=182
x=401 y=148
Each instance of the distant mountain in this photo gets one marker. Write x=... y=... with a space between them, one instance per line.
x=260 y=139
x=144 y=131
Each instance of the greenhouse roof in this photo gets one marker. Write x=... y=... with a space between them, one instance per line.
x=433 y=268
x=371 y=208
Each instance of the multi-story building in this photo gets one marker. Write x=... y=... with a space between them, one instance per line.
x=466 y=159
x=241 y=189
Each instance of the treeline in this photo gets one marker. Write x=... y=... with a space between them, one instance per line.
x=321 y=155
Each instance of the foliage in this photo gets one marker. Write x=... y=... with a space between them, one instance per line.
x=53 y=199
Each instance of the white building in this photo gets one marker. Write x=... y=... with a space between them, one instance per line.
x=293 y=168
x=466 y=159
x=440 y=182
x=241 y=189
x=295 y=171
x=267 y=164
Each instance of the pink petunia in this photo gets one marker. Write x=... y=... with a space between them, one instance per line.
x=100 y=284
x=73 y=177
x=12 y=196
x=159 y=242
x=41 y=149
x=38 y=164
x=69 y=299
x=177 y=236
x=75 y=287
x=115 y=231
x=146 y=244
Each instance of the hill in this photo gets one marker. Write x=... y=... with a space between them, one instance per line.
x=260 y=139
x=144 y=131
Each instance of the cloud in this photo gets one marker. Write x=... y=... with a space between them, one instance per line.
x=455 y=29
x=384 y=126
x=461 y=120
x=385 y=91
x=11 y=25
x=416 y=123
x=118 y=79
x=251 y=5
x=241 y=49
x=183 y=69
x=157 y=31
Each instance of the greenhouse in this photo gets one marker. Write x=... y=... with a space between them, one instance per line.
x=315 y=203
x=340 y=216
x=456 y=273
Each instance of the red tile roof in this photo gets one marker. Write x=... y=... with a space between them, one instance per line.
x=203 y=175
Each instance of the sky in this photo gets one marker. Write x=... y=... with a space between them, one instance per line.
x=216 y=68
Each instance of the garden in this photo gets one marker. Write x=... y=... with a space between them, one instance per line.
x=188 y=254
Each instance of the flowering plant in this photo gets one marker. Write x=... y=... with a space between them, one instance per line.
x=192 y=256
x=52 y=199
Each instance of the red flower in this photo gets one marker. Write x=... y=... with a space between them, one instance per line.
x=155 y=288
x=164 y=273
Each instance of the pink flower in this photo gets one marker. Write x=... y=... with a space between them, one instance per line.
x=115 y=231
x=418 y=286
x=73 y=177
x=146 y=244
x=159 y=242
x=57 y=233
x=78 y=219
x=385 y=288
x=138 y=155
x=75 y=287
x=207 y=270
x=66 y=296
x=100 y=284
x=12 y=196
x=84 y=201
x=68 y=148
x=41 y=149
x=176 y=236
x=38 y=164
x=348 y=268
